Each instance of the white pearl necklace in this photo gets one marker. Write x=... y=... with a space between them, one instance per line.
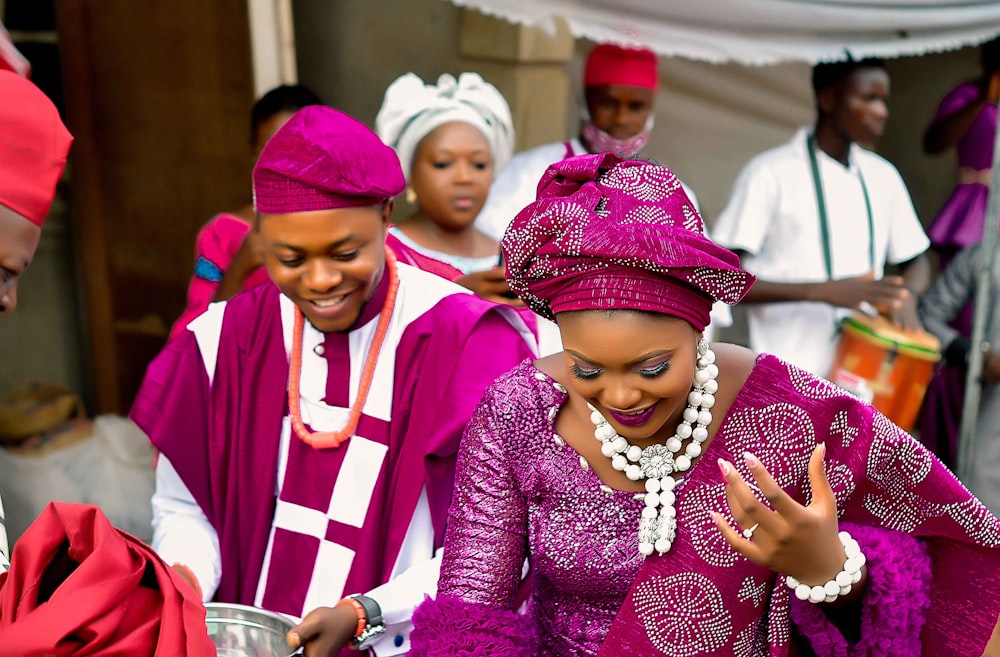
x=658 y=523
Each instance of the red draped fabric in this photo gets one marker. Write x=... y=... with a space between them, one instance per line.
x=77 y=586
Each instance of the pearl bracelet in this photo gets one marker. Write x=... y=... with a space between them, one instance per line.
x=839 y=585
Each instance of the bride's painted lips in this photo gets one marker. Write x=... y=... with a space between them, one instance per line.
x=633 y=419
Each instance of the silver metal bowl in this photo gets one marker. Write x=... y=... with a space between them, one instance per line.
x=242 y=631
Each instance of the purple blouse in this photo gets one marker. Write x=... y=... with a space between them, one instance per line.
x=523 y=491
x=959 y=223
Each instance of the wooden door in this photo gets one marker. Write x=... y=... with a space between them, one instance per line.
x=158 y=97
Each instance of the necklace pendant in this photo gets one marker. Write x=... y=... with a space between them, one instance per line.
x=656 y=462
x=657 y=524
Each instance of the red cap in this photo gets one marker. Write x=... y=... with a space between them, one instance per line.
x=611 y=64
x=33 y=147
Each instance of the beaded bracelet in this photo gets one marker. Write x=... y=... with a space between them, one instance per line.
x=839 y=585
x=362 y=616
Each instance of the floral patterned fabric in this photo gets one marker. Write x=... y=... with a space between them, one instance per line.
x=523 y=491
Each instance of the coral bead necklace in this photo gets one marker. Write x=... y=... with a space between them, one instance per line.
x=328 y=439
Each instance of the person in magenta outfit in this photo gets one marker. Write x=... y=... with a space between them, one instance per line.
x=308 y=428
x=228 y=252
x=966 y=119
x=678 y=498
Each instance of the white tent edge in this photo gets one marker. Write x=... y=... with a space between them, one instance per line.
x=763 y=32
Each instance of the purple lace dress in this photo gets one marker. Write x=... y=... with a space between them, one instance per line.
x=960 y=222
x=523 y=492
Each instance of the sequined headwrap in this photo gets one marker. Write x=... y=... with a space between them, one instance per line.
x=605 y=233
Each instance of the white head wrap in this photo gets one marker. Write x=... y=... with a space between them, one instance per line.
x=411 y=110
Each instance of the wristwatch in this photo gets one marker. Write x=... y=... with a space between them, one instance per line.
x=374 y=627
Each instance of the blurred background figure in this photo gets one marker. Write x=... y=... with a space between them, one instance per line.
x=228 y=251
x=450 y=138
x=966 y=120
x=33 y=147
x=616 y=116
x=818 y=219
x=951 y=293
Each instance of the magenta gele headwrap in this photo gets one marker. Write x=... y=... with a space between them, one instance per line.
x=605 y=233
x=323 y=159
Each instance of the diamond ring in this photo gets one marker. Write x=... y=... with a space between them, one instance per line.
x=748 y=532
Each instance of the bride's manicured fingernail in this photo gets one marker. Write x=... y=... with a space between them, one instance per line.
x=724 y=467
x=750 y=460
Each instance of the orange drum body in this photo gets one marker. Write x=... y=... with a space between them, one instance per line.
x=885 y=366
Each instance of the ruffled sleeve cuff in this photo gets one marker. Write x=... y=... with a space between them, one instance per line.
x=894 y=606
x=448 y=626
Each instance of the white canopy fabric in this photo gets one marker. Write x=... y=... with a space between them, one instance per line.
x=761 y=32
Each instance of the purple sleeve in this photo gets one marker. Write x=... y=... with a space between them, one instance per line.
x=894 y=606
x=216 y=244
x=956 y=99
x=452 y=627
x=485 y=544
x=485 y=547
x=172 y=408
x=468 y=362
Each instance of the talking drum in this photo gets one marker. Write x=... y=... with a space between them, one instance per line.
x=885 y=366
x=242 y=631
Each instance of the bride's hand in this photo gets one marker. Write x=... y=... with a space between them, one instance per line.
x=787 y=537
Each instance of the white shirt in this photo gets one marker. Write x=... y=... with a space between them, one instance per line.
x=517 y=185
x=773 y=216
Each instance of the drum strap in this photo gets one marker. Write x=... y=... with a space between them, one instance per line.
x=824 y=219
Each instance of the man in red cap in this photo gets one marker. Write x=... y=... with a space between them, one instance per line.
x=76 y=585
x=617 y=117
x=33 y=147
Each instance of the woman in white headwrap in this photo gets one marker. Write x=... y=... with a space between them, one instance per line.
x=451 y=139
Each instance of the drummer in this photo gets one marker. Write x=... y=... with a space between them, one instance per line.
x=818 y=219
